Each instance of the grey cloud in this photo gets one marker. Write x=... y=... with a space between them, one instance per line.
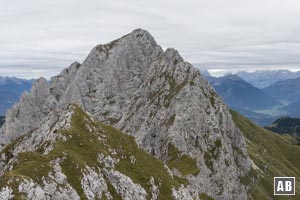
x=43 y=37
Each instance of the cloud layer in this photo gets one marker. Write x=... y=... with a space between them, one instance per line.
x=39 y=38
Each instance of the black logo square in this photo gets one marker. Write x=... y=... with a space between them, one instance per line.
x=284 y=185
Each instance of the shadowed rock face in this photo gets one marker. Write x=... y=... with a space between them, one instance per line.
x=2 y=120
x=153 y=95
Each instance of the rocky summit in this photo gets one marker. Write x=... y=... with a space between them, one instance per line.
x=84 y=135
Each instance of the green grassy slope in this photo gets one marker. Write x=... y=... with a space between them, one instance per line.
x=82 y=148
x=273 y=155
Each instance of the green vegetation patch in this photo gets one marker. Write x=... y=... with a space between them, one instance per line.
x=212 y=154
x=185 y=164
x=113 y=192
x=33 y=165
x=272 y=154
x=208 y=161
x=82 y=147
x=212 y=98
x=204 y=196
x=249 y=179
x=144 y=167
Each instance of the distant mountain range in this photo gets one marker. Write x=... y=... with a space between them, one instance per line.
x=293 y=109
x=265 y=78
x=11 y=89
x=261 y=105
x=238 y=93
x=259 y=118
x=286 y=91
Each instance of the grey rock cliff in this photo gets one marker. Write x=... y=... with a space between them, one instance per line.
x=50 y=177
x=28 y=114
x=155 y=96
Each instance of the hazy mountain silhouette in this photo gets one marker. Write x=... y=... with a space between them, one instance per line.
x=238 y=93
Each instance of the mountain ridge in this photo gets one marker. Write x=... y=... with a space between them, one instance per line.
x=273 y=155
x=265 y=78
x=72 y=136
x=154 y=96
x=285 y=91
x=238 y=93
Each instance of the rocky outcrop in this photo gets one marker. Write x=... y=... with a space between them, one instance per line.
x=55 y=165
x=94 y=185
x=55 y=187
x=28 y=114
x=6 y=193
x=125 y=186
x=155 y=96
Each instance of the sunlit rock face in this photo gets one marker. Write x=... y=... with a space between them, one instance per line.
x=154 y=95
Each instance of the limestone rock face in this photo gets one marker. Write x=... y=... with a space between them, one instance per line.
x=155 y=96
x=51 y=163
x=28 y=114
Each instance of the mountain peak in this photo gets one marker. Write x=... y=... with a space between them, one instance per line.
x=265 y=78
x=141 y=32
x=205 y=72
x=156 y=97
x=40 y=82
x=136 y=36
x=232 y=77
x=142 y=35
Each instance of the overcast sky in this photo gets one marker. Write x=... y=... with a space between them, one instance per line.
x=40 y=38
